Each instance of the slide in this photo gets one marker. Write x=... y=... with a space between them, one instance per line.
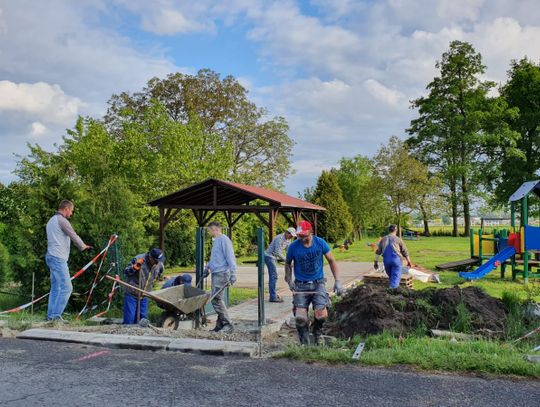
x=490 y=265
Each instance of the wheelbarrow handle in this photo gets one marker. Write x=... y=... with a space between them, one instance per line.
x=218 y=292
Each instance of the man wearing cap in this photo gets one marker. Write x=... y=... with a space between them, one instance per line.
x=393 y=251
x=142 y=271
x=222 y=268
x=307 y=254
x=273 y=253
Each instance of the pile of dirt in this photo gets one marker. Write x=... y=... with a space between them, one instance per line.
x=371 y=310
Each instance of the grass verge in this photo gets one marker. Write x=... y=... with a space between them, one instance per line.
x=479 y=356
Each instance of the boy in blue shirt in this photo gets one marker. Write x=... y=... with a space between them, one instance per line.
x=308 y=286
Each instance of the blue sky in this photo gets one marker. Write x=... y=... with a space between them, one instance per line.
x=342 y=72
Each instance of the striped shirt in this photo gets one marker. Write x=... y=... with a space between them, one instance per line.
x=278 y=247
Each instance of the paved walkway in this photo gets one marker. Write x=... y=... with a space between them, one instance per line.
x=351 y=272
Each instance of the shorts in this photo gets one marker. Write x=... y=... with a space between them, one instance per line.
x=319 y=300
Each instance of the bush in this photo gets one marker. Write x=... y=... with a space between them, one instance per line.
x=4 y=264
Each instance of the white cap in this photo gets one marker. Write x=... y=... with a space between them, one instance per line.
x=292 y=231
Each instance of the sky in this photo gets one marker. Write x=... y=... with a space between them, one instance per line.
x=342 y=72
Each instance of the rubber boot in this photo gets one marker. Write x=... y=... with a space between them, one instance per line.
x=303 y=331
x=316 y=329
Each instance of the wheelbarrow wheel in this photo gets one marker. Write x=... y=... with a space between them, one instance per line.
x=168 y=321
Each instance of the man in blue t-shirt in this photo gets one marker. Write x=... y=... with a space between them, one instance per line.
x=308 y=286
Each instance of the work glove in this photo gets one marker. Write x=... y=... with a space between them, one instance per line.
x=232 y=279
x=138 y=264
x=338 y=288
x=376 y=265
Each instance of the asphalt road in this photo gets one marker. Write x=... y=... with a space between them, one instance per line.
x=34 y=373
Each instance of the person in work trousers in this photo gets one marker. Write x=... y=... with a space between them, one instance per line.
x=141 y=272
x=222 y=268
x=307 y=256
x=60 y=233
x=273 y=253
x=393 y=251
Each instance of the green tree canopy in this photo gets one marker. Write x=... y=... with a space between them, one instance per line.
x=459 y=126
x=261 y=145
x=357 y=179
x=402 y=178
x=336 y=223
x=521 y=92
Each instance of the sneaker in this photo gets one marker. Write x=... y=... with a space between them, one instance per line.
x=277 y=299
x=227 y=328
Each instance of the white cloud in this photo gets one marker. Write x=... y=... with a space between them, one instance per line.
x=39 y=100
x=38 y=129
x=382 y=93
x=168 y=22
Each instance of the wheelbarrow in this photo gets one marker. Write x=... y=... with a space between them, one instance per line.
x=178 y=302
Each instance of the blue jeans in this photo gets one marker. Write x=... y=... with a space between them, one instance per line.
x=393 y=269
x=61 y=286
x=272 y=276
x=130 y=309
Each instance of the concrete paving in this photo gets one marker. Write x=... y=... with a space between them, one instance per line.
x=155 y=343
x=277 y=313
x=247 y=275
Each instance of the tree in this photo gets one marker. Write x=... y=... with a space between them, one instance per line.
x=459 y=125
x=357 y=179
x=401 y=178
x=110 y=180
x=430 y=201
x=261 y=145
x=336 y=223
x=522 y=92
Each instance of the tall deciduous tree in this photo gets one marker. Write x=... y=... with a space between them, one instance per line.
x=522 y=91
x=261 y=145
x=110 y=179
x=336 y=223
x=402 y=178
x=357 y=179
x=457 y=124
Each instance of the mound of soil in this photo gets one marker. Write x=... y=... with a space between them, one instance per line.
x=371 y=310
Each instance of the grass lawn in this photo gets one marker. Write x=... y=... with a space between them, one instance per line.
x=481 y=356
x=430 y=251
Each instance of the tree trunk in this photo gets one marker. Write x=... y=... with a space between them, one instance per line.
x=466 y=205
x=425 y=220
x=454 y=203
x=399 y=220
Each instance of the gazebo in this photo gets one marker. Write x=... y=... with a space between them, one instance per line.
x=212 y=196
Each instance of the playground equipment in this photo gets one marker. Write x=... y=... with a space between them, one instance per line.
x=512 y=246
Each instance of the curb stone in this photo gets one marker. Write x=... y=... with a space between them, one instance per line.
x=205 y=346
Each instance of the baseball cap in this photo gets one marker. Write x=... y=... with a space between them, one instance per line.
x=157 y=254
x=303 y=227
x=292 y=231
x=186 y=279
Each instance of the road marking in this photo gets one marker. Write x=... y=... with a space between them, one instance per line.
x=93 y=355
